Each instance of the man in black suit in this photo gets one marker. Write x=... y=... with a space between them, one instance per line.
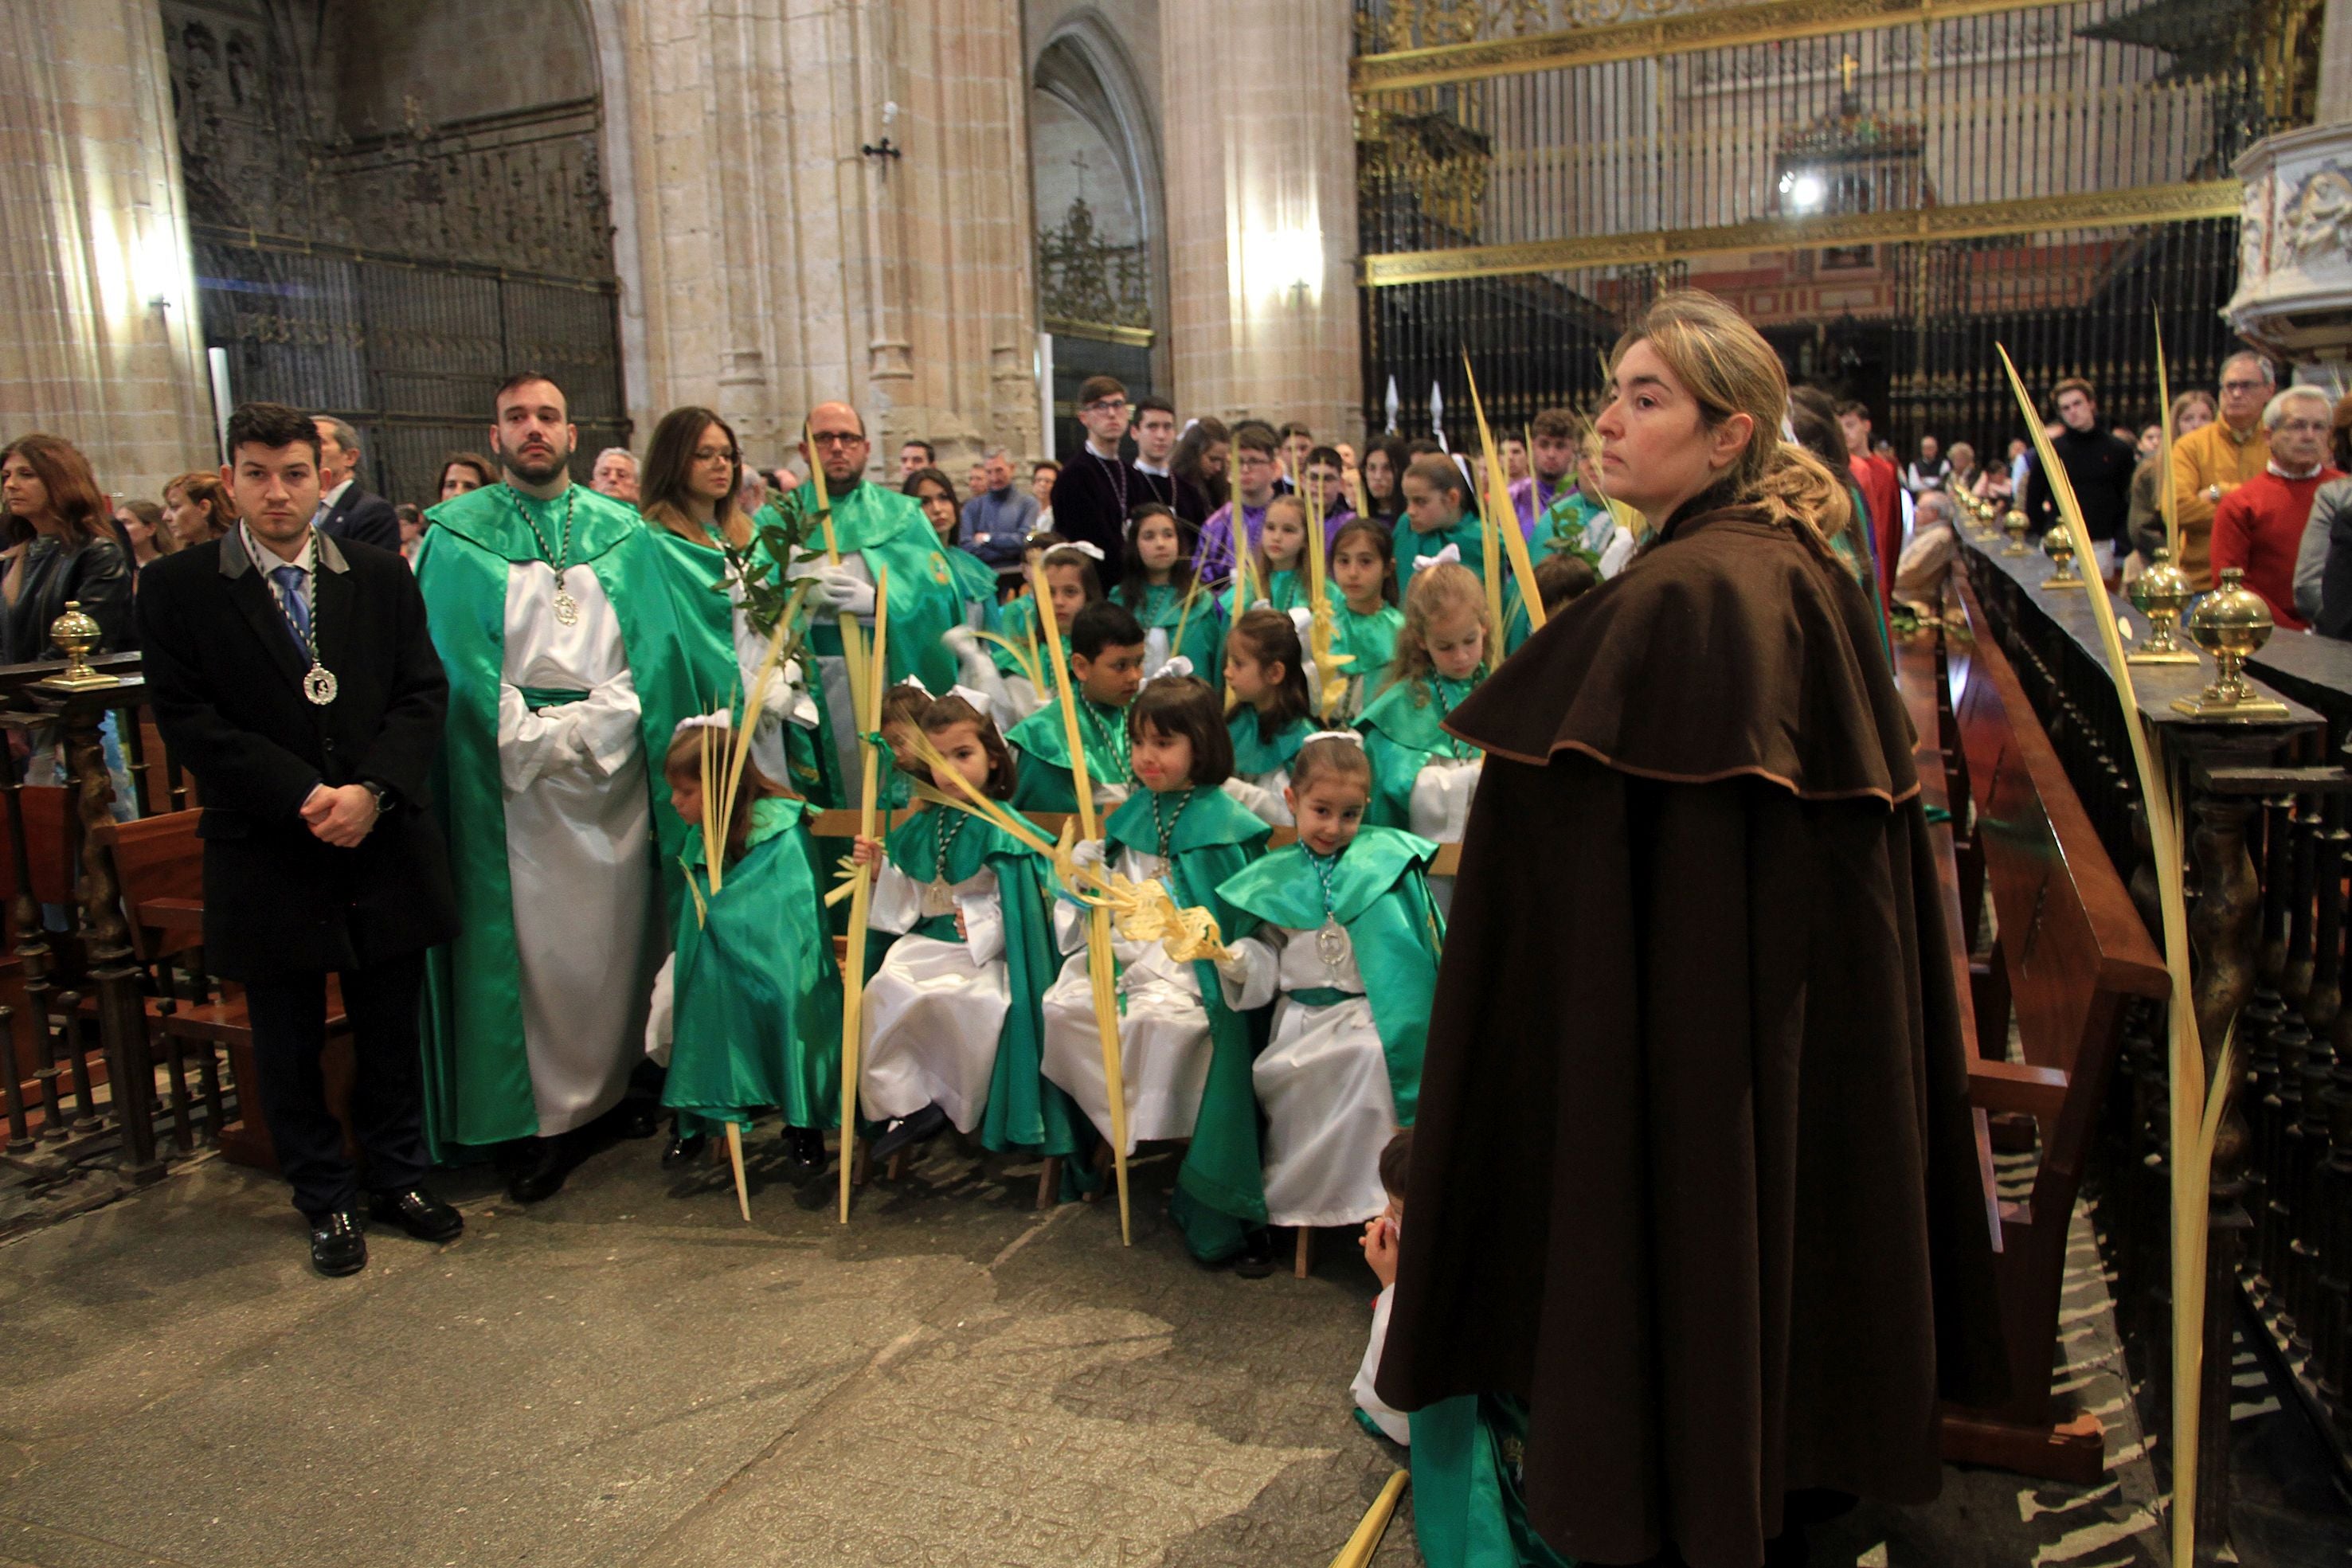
x=346 y=510
x=293 y=676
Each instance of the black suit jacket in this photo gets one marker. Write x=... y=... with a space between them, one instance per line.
x=370 y=519
x=225 y=674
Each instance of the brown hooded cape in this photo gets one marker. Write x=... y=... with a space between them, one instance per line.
x=1694 y=1173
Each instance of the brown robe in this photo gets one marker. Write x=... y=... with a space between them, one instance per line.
x=1694 y=1173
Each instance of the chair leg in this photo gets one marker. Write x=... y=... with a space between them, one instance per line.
x=1306 y=1262
x=1049 y=1182
x=208 y=1085
x=897 y=1166
x=861 y=1162
x=176 y=1063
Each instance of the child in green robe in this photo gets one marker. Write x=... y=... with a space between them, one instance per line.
x=952 y=1021
x=1423 y=778
x=1179 y=616
x=1185 y=1056
x=1345 y=950
x=750 y=1001
x=1439 y=516
x=1277 y=571
x=1073 y=580
x=1366 y=620
x=1265 y=676
x=1106 y=668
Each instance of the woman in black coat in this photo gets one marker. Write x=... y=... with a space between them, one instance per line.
x=61 y=550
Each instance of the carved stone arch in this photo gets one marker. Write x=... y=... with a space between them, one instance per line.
x=1084 y=66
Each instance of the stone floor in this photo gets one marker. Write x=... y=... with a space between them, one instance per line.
x=629 y=1375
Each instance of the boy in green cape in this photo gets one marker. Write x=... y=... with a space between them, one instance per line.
x=1107 y=667
x=1185 y=1055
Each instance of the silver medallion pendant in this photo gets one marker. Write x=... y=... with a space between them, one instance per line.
x=567 y=609
x=1332 y=944
x=319 y=685
x=937 y=898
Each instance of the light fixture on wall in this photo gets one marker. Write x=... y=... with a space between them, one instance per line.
x=1283 y=261
x=1804 y=189
x=883 y=149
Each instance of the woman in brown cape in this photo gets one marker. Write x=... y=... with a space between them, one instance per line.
x=1694 y=1177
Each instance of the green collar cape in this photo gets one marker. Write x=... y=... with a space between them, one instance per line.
x=1221 y=1187
x=1285 y=594
x=1025 y=1110
x=706 y=623
x=477 y=1076
x=1465 y=535
x=1379 y=894
x=757 y=1008
x=1404 y=732
x=1044 y=782
x=884 y=529
x=1204 y=628
x=1253 y=757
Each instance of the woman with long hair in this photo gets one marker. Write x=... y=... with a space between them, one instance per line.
x=463 y=471
x=1384 y=465
x=61 y=549
x=141 y=523
x=196 y=507
x=1201 y=454
x=1761 y=1009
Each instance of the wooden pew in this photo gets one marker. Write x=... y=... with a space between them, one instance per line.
x=2070 y=954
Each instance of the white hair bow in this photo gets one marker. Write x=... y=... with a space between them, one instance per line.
x=1175 y=668
x=1449 y=555
x=979 y=700
x=1352 y=736
x=721 y=719
x=1084 y=547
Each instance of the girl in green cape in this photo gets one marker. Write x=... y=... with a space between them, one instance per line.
x=1185 y=1054
x=1440 y=516
x=750 y=1002
x=1423 y=778
x=1365 y=621
x=1179 y=616
x=952 y=1021
x=1277 y=577
x=1265 y=674
x=1346 y=950
x=1074 y=584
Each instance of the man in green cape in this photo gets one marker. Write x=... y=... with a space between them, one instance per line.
x=548 y=606
x=873 y=529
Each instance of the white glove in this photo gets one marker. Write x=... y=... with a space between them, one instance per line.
x=959 y=640
x=836 y=589
x=1089 y=854
x=1110 y=796
x=1234 y=969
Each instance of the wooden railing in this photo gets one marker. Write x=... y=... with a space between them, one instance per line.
x=2264 y=809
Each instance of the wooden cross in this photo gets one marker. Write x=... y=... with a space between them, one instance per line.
x=1846 y=67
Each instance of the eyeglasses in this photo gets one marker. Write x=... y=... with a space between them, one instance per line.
x=1255 y=460
x=712 y=454
x=1107 y=405
x=2243 y=386
x=836 y=438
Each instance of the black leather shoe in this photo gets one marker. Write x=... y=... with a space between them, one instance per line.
x=637 y=1118
x=1256 y=1260
x=684 y=1149
x=924 y=1124
x=539 y=1174
x=419 y=1213
x=338 y=1246
x=804 y=1153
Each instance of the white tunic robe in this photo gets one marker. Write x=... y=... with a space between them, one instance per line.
x=934 y=1010
x=1322 y=1080
x=1440 y=813
x=1163 y=1029
x=579 y=847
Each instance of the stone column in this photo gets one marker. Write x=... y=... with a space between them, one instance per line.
x=99 y=341
x=769 y=263
x=1262 y=226
x=2295 y=239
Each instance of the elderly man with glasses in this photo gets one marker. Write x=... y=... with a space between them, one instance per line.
x=2208 y=463
x=2259 y=527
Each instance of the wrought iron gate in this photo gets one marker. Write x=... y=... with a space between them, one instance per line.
x=1885 y=186
x=408 y=351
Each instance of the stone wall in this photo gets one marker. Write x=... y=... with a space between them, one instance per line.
x=99 y=343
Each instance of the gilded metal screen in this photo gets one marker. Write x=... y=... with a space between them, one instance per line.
x=1883 y=186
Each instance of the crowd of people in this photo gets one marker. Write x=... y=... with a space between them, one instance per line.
x=534 y=772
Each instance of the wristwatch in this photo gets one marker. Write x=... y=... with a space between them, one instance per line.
x=383 y=797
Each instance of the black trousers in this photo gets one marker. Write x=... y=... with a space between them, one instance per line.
x=289 y=1031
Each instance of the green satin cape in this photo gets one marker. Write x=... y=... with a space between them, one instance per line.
x=697 y=574
x=476 y=1074
x=1221 y=1187
x=1203 y=642
x=1041 y=751
x=1371 y=643
x=1469 y=1508
x=1402 y=736
x=1380 y=894
x=1465 y=535
x=1253 y=757
x=757 y=1004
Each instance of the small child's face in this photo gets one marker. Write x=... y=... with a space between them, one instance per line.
x=1111 y=678
x=1067 y=584
x=899 y=736
x=1161 y=761
x=1328 y=811
x=685 y=799
x=1157 y=545
x=1284 y=535
x=1245 y=677
x=962 y=745
x=1457 y=643
x=1356 y=568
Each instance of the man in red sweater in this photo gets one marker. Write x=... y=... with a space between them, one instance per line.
x=2259 y=526
x=1881 y=491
